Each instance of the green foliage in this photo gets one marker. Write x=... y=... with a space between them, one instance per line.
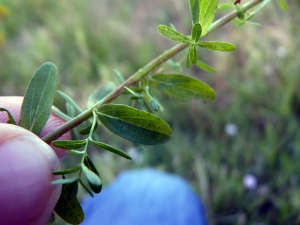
x=67 y=208
x=182 y=87
x=96 y=188
x=146 y=128
x=135 y=125
x=283 y=5
x=11 y=119
x=38 y=98
x=207 y=13
x=217 y=46
x=172 y=34
x=110 y=148
x=195 y=10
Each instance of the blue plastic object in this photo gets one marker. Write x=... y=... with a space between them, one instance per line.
x=145 y=197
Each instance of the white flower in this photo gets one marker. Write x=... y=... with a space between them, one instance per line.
x=250 y=181
x=231 y=129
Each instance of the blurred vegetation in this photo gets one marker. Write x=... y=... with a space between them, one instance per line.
x=257 y=93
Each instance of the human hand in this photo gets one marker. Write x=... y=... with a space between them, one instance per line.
x=26 y=194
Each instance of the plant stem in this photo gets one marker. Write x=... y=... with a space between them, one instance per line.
x=139 y=75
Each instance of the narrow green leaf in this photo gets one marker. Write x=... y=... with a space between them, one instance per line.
x=147 y=95
x=89 y=164
x=216 y=46
x=70 y=144
x=196 y=32
x=133 y=89
x=69 y=209
x=195 y=8
x=145 y=106
x=70 y=110
x=92 y=178
x=135 y=125
x=88 y=190
x=119 y=76
x=283 y=5
x=205 y=67
x=133 y=92
x=182 y=87
x=74 y=152
x=193 y=54
x=253 y=23
x=69 y=100
x=38 y=98
x=11 y=119
x=100 y=92
x=110 y=148
x=263 y=4
x=64 y=181
x=66 y=171
x=240 y=13
x=60 y=114
x=172 y=34
x=188 y=61
x=207 y=13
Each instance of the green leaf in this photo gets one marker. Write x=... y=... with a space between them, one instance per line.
x=193 y=54
x=240 y=13
x=100 y=92
x=110 y=148
x=205 y=67
x=11 y=119
x=196 y=32
x=149 y=97
x=89 y=164
x=135 y=125
x=69 y=209
x=66 y=171
x=194 y=8
x=119 y=76
x=88 y=190
x=136 y=90
x=64 y=181
x=74 y=152
x=172 y=34
x=60 y=114
x=283 y=5
x=70 y=101
x=182 y=87
x=71 y=190
x=133 y=92
x=70 y=144
x=38 y=99
x=70 y=110
x=253 y=13
x=92 y=178
x=188 y=61
x=216 y=46
x=207 y=13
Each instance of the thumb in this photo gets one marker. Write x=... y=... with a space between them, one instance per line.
x=14 y=103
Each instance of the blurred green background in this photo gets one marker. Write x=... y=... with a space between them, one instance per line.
x=251 y=128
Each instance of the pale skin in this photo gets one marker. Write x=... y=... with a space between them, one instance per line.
x=26 y=194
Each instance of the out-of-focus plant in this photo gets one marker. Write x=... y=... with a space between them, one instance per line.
x=142 y=127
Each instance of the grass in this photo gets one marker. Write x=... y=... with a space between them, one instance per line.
x=257 y=91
